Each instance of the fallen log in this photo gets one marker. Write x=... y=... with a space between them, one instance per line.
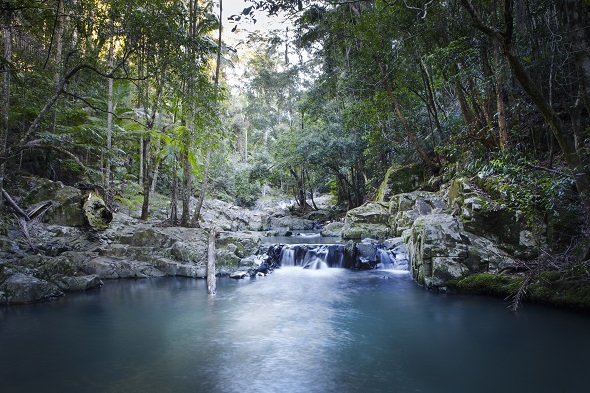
x=14 y=206
x=96 y=212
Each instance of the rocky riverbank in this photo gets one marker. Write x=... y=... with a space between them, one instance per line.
x=459 y=240
x=456 y=239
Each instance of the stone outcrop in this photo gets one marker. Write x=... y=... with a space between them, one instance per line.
x=21 y=288
x=369 y=220
x=449 y=235
x=286 y=220
x=441 y=250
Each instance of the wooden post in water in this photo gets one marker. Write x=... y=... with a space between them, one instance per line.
x=211 y=284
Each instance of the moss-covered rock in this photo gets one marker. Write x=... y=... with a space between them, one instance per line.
x=369 y=220
x=486 y=284
x=333 y=229
x=551 y=288
x=441 y=251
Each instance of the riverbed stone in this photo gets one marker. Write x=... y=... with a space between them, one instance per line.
x=113 y=268
x=286 y=220
x=333 y=229
x=77 y=283
x=21 y=288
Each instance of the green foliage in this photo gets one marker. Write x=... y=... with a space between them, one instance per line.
x=521 y=184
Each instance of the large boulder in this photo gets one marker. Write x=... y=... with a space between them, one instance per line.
x=66 y=206
x=232 y=247
x=21 y=288
x=96 y=212
x=333 y=229
x=441 y=250
x=286 y=220
x=400 y=179
x=405 y=208
x=481 y=215
x=369 y=220
x=228 y=217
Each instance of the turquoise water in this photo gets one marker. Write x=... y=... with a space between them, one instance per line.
x=296 y=330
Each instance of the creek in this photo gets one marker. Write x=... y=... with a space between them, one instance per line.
x=295 y=330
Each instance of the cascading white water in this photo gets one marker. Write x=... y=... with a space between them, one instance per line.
x=287 y=257
x=312 y=256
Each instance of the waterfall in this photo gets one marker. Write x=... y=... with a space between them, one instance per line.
x=313 y=256
x=360 y=256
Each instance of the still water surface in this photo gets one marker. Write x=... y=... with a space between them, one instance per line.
x=296 y=330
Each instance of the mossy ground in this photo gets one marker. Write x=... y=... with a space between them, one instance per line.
x=552 y=288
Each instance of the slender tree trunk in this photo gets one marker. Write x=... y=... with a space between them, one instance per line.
x=431 y=99
x=211 y=280
x=205 y=183
x=204 y=186
x=141 y=161
x=146 y=177
x=60 y=19
x=577 y=24
x=299 y=188
x=174 y=197
x=5 y=98
x=502 y=125
x=186 y=189
x=107 y=172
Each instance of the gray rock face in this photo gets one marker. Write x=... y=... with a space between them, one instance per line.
x=21 y=289
x=369 y=220
x=112 y=268
x=441 y=250
x=279 y=220
x=407 y=207
x=78 y=283
x=333 y=229
x=227 y=217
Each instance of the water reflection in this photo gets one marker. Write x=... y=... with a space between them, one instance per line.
x=296 y=330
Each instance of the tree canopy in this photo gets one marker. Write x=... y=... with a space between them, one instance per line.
x=111 y=92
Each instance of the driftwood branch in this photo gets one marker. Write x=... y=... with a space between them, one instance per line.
x=15 y=206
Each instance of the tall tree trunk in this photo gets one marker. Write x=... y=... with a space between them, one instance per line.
x=186 y=189
x=577 y=24
x=205 y=183
x=60 y=24
x=5 y=97
x=107 y=172
x=146 y=177
x=502 y=126
x=174 y=197
x=564 y=139
x=299 y=193
x=204 y=186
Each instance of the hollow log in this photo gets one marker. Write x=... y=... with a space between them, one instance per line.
x=96 y=212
